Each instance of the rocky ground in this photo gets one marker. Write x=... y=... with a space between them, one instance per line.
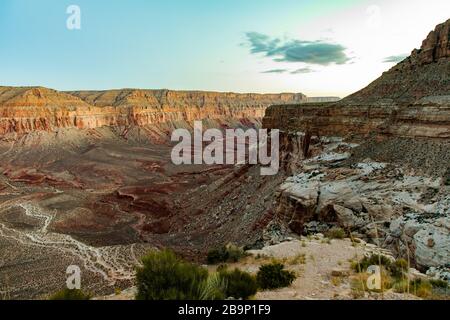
x=97 y=200
x=322 y=267
x=389 y=204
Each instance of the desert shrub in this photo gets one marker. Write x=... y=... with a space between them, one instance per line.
x=273 y=275
x=398 y=268
x=70 y=294
x=298 y=259
x=359 y=282
x=336 y=233
x=421 y=288
x=213 y=288
x=373 y=260
x=229 y=253
x=438 y=283
x=239 y=284
x=217 y=256
x=401 y=286
x=164 y=276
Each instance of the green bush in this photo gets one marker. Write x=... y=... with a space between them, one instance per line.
x=421 y=288
x=373 y=260
x=213 y=288
x=272 y=276
x=239 y=284
x=398 y=268
x=163 y=276
x=70 y=294
x=437 y=283
x=229 y=253
x=336 y=233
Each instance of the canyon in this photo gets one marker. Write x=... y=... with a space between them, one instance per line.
x=376 y=163
x=86 y=176
x=87 y=180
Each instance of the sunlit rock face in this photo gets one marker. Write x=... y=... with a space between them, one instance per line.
x=410 y=100
x=25 y=110
x=377 y=162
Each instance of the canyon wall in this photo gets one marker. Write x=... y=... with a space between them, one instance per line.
x=430 y=121
x=410 y=100
x=25 y=110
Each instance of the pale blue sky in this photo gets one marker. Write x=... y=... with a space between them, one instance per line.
x=223 y=45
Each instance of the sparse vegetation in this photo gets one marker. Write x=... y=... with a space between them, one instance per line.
x=394 y=275
x=164 y=276
x=70 y=294
x=373 y=260
x=437 y=283
x=239 y=284
x=336 y=281
x=298 y=259
x=228 y=253
x=421 y=288
x=336 y=233
x=273 y=276
x=213 y=288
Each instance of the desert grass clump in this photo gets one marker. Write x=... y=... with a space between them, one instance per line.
x=163 y=276
x=298 y=259
x=213 y=288
x=359 y=282
x=373 y=260
x=336 y=233
x=228 y=253
x=421 y=288
x=438 y=283
x=273 y=276
x=70 y=294
x=238 y=284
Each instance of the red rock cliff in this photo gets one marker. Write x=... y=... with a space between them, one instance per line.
x=27 y=109
x=411 y=100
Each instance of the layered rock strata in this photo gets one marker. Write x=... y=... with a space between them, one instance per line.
x=410 y=100
x=25 y=110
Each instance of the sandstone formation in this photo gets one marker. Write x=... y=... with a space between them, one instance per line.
x=25 y=110
x=377 y=162
x=410 y=100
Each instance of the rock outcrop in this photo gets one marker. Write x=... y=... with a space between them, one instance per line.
x=355 y=163
x=410 y=100
x=24 y=110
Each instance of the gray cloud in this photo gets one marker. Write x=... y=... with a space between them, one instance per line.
x=302 y=70
x=313 y=52
x=275 y=71
x=395 y=59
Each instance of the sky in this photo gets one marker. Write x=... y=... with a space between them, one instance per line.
x=319 y=48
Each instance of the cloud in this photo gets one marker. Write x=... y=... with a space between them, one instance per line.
x=395 y=59
x=275 y=71
x=303 y=70
x=313 y=52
